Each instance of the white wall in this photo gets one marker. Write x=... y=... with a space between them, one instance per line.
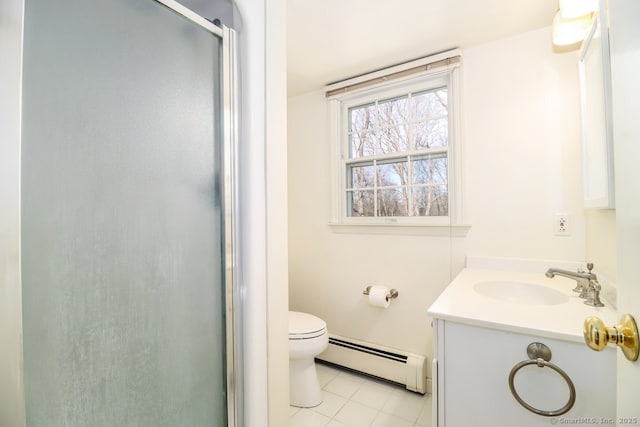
x=263 y=223
x=523 y=158
x=276 y=189
x=11 y=385
x=601 y=245
x=522 y=164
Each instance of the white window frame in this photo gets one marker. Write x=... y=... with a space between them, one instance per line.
x=339 y=123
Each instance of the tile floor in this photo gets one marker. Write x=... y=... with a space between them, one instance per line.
x=353 y=400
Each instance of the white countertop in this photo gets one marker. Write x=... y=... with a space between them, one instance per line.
x=461 y=303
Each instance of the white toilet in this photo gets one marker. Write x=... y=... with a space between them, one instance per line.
x=308 y=337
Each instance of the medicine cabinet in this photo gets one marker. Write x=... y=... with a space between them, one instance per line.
x=597 y=130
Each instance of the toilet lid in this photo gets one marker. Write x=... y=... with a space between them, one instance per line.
x=305 y=325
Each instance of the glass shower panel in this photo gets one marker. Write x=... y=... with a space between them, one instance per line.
x=122 y=266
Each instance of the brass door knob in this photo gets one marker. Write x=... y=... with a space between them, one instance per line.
x=624 y=335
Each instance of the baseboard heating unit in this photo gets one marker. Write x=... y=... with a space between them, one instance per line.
x=390 y=364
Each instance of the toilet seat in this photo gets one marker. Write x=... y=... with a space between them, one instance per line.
x=304 y=326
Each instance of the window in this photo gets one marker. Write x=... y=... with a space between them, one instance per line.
x=396 y=152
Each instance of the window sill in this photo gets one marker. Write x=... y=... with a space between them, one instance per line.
x=402 y=229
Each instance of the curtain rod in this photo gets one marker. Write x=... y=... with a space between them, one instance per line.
x=431 y=62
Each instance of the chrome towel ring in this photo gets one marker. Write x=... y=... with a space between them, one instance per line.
x=539 y=354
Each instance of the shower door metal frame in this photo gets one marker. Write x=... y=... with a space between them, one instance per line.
x=233 y=317
x=230 y=109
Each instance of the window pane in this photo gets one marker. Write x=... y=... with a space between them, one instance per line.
x=393 y=173
x=360 y=176
x=393 y=112
x=362 y=117
x=430 y=169
x=362 y=144
x=393 y=202
x=393 y=139
x=432 y=133
x=430 y=201
x=360 y=203
x=393 y=115
x=430 y=104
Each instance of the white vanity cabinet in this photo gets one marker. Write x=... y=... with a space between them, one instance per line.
x=471 y=371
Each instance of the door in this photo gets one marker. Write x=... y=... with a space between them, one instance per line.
x=625 y=67
x=121 y=217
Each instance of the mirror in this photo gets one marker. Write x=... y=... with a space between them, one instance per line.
x=595 y=85
x=597 y=130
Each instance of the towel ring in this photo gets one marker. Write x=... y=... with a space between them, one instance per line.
x=540 y=355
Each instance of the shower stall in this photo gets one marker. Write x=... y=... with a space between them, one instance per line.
x=126 y=216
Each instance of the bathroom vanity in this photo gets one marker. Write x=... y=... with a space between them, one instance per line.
x=484 y=323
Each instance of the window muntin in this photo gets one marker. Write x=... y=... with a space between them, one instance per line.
x=397 y=156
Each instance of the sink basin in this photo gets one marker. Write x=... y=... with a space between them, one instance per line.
x=520 y=292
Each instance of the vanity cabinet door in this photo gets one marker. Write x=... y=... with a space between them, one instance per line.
x=472 y=379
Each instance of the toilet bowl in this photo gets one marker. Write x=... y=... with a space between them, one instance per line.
x=308 y=337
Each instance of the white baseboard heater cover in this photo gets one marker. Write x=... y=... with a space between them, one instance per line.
x=387 y=363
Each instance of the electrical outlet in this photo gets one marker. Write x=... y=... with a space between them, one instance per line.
x=561 y=225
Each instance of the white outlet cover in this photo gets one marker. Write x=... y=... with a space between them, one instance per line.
x=561 y=224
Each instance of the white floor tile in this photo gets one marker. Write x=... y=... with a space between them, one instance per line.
x=405 y=405
x=371 y=395
x=356 y=414
x=326 y=373
x=344 y=385
x=335 y=423
x=388 y=420
x=308 y=418
x=331 y=404
x=425 y=419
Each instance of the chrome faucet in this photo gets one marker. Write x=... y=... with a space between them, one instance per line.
x=584 y=279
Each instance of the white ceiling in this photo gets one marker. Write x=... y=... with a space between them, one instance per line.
x=330 y=40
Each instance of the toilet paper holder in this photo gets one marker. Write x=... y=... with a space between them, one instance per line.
x=393 y=293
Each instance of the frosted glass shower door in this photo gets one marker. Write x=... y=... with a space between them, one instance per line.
x=122 y=262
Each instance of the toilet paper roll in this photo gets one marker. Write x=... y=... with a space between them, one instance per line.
x=378 y=296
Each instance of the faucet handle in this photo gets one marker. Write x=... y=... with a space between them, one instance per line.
x=589 y=267
x=594 y=294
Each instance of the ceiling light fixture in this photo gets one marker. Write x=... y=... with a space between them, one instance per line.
x=568 y=31
x=570 y=9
